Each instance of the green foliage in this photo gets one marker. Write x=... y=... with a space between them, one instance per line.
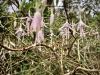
x=22 y=5
x=29 y=6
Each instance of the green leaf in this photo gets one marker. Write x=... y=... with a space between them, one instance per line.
x=5 y=3
x=29 y=5
x=21 y=5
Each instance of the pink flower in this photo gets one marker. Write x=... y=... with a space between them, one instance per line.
x=28 y=24
x=96 y=35
x=44 y=2
x=65 y=25
x=43 y=24
x=82 y=34
x=81 y=24
x=39 y=37
x=65 y=29
x=51 y=19
x=19 y=32
x=36 y=22
x=28 y=19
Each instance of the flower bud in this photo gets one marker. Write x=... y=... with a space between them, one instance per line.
x=28 y=25
x=39 y=37
x=28 y=19
x=36 y=22
x=44 y=2
x=43 y=24
x=19 y=32
x=51 y=19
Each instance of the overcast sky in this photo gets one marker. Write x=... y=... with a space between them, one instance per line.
x=60 y=4
x=14 y=7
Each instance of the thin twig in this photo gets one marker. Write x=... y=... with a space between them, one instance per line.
x=3 y=70
x=81 y=68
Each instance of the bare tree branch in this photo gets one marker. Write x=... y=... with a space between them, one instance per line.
x=24 y=48
x=81 y=68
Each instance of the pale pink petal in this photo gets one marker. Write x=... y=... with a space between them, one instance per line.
x=36 y=22
x=39 y=37
x=51 y=19
x=42 y=24
x=19 y=32
x=65 y=29
x=44 y=2
x=28 y=21
x=65 y=25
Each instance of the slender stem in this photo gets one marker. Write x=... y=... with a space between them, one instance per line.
x=78 y=50
x=61 y=62
x=10 y=62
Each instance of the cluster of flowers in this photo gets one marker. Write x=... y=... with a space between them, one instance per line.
x=36 y=25
x=66 y=27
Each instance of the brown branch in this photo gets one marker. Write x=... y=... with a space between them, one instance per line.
x=81 y=68
x=28 y=47
x=3 y=70
x=14 y=3
x=88 y=70
x=24 y=48
x=17 y=3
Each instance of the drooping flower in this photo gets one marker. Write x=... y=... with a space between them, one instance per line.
x=3 y=57
x=44 y=1
x=65 y=25
x=28 y=21
x=43 y=24
x=39 y=37
x=81 y=24
x=19 y=32
x=51 y=36
x=51 y=17
x=96 y=34
x=36 y=22
x=15 y=24
x=65 y=28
